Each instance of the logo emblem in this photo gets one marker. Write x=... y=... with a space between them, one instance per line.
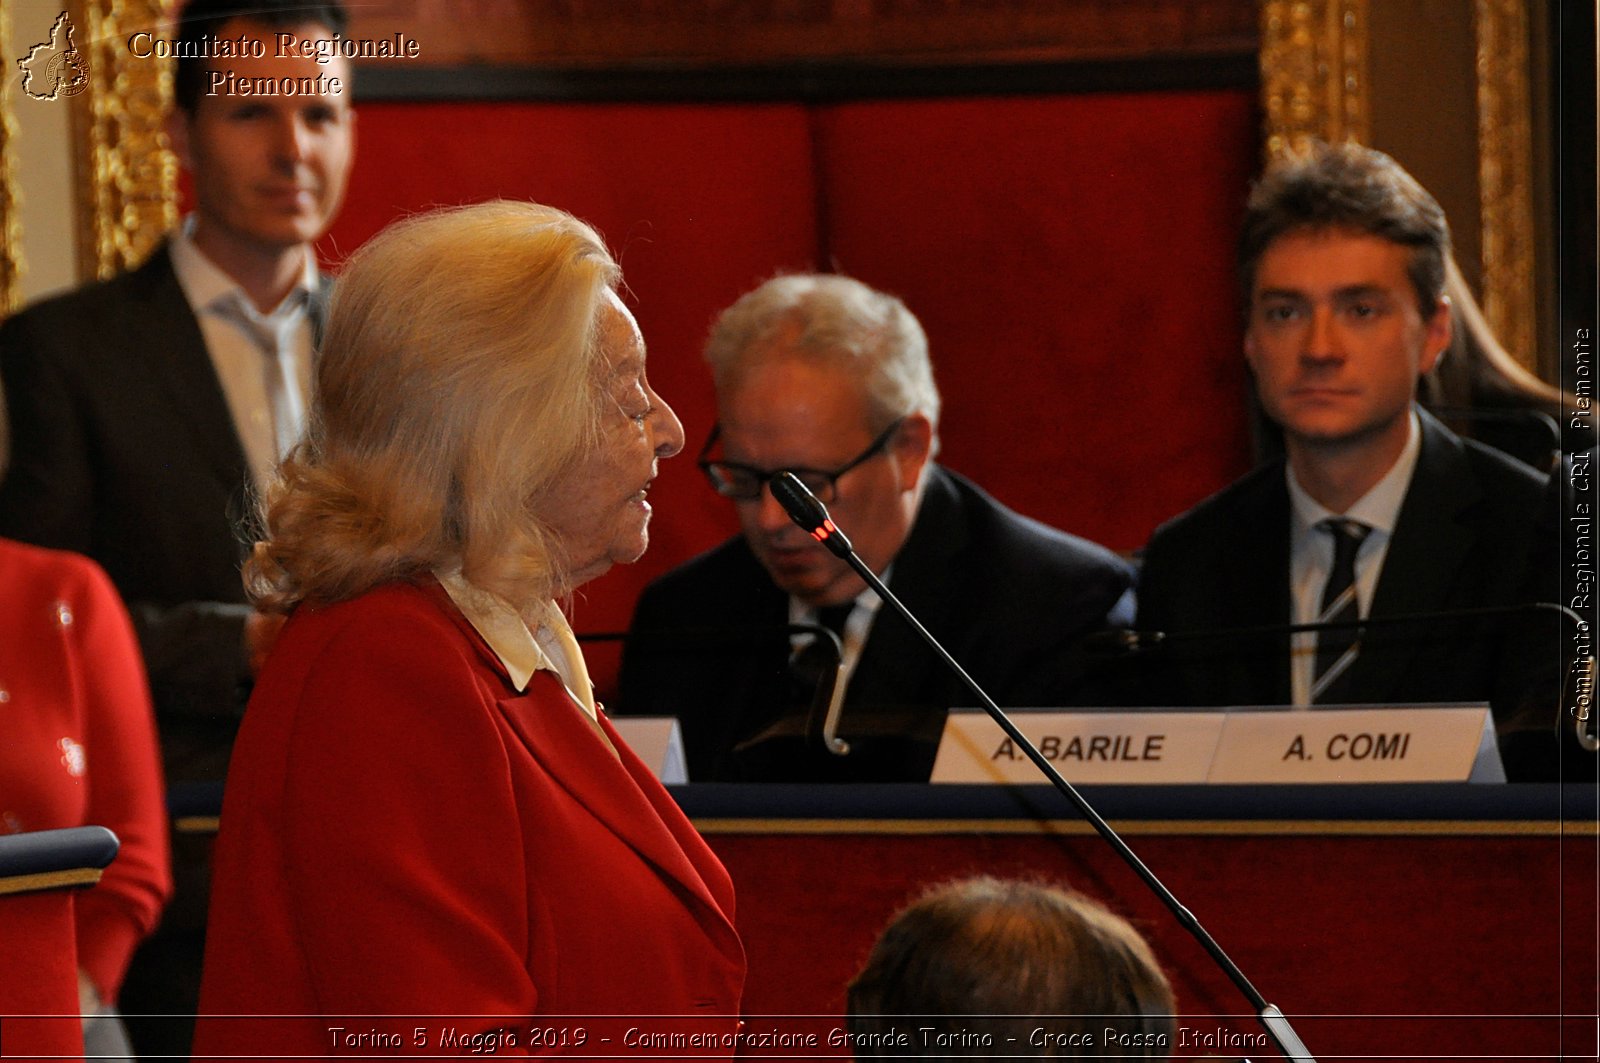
x=55 y=68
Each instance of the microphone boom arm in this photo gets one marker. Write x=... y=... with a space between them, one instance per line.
x=810 y=514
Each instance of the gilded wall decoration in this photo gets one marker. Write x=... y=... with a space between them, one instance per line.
x=11 y=264
x=1316 y=84
x=1313 y=72
x=127 y=177
x=1505 y=171
x=562 y=34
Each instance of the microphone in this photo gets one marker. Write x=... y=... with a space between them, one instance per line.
x=809 y=513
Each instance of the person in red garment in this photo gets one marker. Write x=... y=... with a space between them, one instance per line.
x=432 y=839
x=79 y=749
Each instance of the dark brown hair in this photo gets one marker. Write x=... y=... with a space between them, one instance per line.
x=977 y=962
x=205 y=19
x=1347 y=187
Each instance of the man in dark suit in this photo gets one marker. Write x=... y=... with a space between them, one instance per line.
x=147 y=411
x=1376 y=510
x=829 y=379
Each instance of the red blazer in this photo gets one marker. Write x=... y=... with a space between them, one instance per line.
x=404 y=835
x=79 y=742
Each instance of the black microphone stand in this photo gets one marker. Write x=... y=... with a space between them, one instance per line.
x=803 y=507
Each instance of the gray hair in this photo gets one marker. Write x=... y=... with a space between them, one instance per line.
x=832 y=319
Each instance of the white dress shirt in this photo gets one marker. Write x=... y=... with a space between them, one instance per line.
x=540 y=642
x=246 y=346
x=1311 y=552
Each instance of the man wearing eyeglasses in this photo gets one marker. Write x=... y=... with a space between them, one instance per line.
x=822 y=376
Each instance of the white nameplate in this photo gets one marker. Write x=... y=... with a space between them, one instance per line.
x=658 y=741
x=1356 y=745
x=1440 y=743
x=1085 y=747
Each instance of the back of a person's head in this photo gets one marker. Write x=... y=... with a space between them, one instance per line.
x=985 y=967
x=1351 y=189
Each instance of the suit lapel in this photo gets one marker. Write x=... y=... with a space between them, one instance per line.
x=896 y=667
x=755 y=670
x=317 y=309
x=554 y=733
x=707 y=869
x=164 y=335
x=1257 y=592
x=745 y=656
x=1430 y=543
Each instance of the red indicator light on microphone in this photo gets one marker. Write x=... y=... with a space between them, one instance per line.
x=823 y=533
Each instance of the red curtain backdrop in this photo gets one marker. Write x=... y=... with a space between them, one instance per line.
x=1070 y=257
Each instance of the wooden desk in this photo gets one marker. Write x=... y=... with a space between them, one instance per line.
x=1387 y=922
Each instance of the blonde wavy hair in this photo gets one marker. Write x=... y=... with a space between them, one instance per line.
x=458 y=377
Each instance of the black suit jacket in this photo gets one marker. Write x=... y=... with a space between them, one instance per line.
x=1462 y=540
x=123 y=448
x=1009 y=597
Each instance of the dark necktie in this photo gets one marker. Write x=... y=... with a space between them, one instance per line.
x=1337 y=648
x=814 y=659
x=833 y=617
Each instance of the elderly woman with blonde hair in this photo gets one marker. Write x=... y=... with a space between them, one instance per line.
x=428 y=819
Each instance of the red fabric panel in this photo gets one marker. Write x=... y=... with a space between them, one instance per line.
x=1070 y=257
x=699 y=203
x=1071 y=260
x=39 y=976
x=1456 y=941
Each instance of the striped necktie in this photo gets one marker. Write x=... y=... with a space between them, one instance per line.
x=1337 y=648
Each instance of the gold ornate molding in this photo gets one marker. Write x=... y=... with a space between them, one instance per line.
x=50 y=880
x=1316 y=84
x=1313 y=72
x=1505 y=167
x=708 y=34
x=127 y=177
x=11 y=264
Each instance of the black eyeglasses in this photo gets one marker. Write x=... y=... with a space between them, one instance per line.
x=743 y=483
